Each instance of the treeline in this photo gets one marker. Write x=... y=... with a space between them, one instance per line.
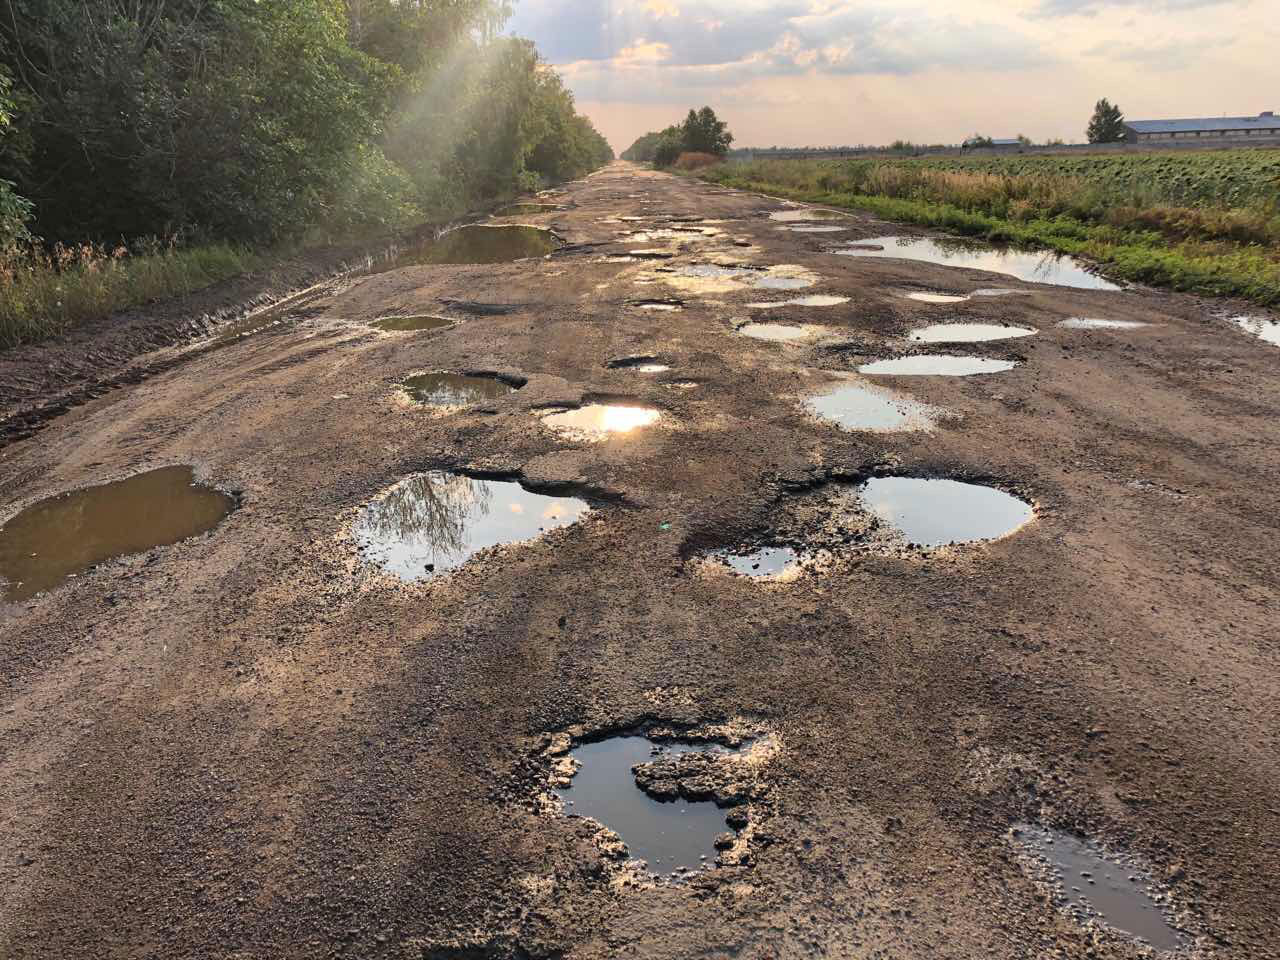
x=702 y=132
x=252 y=122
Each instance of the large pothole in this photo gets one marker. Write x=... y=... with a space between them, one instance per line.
x=935 y=365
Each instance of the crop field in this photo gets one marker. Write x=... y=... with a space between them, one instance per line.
x=1227 y=178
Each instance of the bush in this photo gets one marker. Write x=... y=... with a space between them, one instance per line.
x=667 y=152
x=692 y=160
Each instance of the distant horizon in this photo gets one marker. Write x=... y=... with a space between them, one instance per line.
x=797 y=73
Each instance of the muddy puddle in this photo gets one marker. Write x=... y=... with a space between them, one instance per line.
x=806 y=214
x=433 y=522
x=816 y=228
x=1093 y=885
x=58 y=538
x=661 y=306
x=813 y=300
x=851 y=405
x=643 y=363
x=705 y=278
x=935 y=297
x=967 y=333
x=935 y=365
x=761 y=563
x=414 y=322
x=1096 y=323
x=1260 y=327
x=779 y=332
x=599 y=421
x=455 y=389
x=937 y=513
x=1049 y=268
x=483 y=243
x=668 y=834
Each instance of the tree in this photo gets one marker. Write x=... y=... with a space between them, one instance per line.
x=1107 y=124
x=704 y=132
x=668 y=151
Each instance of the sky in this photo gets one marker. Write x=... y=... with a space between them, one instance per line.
x=824 y=72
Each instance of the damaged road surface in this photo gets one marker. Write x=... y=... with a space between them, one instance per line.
x=257 y=737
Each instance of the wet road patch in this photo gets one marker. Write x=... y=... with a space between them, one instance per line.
x=1050 y=268
x=1262 y=328
x=60 y=537
x=1096 y=323
x=813 y=300
x=1095 y=886
x=967 y=333
x=807 y=214
x=858 y=406
x=822 y=228
x=935 y=365
x=406 y=324
x=456 y=389
x=433 y=522
x=485 y=243
x=599 y=421
x=936 y=513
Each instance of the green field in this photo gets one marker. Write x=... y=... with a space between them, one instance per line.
x=1205 y=223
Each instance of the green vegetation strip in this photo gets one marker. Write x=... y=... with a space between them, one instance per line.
x=1131 y=238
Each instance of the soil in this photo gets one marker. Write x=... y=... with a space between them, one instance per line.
x=250 y=744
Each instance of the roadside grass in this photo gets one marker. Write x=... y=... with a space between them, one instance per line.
x=1218 y=252
x=45 y=293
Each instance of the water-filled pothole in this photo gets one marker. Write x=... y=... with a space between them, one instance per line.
x=419 y=321
x=859 y=406
x=935 y=297
x=806 y=213
x=437 y=521
x=455 y=389
x=779 y=332
x=641 y=363
x=762 y=562
x=967 y=333
x=1093 y=885
x=935 y=365
x=823 y=228
x=598 y=421
x=61 y=536
x=487 y=243
x=936 y=513
x=813 y=300
x=1033 y=267
x=1260 y=327
x=1096 y=323
x=664 y=306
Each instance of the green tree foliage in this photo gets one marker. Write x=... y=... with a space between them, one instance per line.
x=1107 y=123
x=251 y=120
x=701 y=132
x=15 y=211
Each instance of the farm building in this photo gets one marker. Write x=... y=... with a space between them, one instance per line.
x=1264 y=125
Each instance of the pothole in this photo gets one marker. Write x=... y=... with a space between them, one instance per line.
x=817 y=228
x=1049 y=268
x=779 y=332
x=432 y=522
x=805 y=214
x=935 y=297
x=858 y=406
x=935 y=513
x=1096 y=323
x=456 y=389
x=771 y=563
x=967 y=333
x=640 y=363
x=663 y=306
x=488 y=243
x=1094 y=886
x=677 y=802
x=59 y=537
x=812 y=300
x=706 y=278
x=935 y=365
x=598 y=421
x=418 y=321
x=1260 y=327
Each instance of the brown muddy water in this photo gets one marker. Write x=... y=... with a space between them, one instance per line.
x=433 y=522
x=1092 y=885
x=421 y=321
x=1048 y=268
x=967 y=333
x=62 y=536
x=937 y=513
x=859 y=406
x=806 y=214
x=935 y=365
x=666 y=835
x=485 y=243
x=598 y=421
x=455 y=389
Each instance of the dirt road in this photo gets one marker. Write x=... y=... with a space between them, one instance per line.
x=257 y=744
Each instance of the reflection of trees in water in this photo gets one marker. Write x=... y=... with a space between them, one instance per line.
x=430 y=510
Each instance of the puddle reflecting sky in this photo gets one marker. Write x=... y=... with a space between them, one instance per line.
x=454 y=389
x=858 y=406
x=1264 y=329
x=1110 y=890
x=935 y=298
x=825 y=228
x=663 y=834
x=935 y=366
x=778 y=332
x=967 y=333
x=1032 y=267
x=934 y=513
x=1094 y=323
x=596 y=421
x=66 y=534
x=803 y=214
x=764 y=562
x=437 y=521
x=813 y=300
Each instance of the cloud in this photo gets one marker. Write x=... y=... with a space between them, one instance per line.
x=1089 y=8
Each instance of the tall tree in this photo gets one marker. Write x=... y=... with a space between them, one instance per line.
x=704 y=132
x=1107 y=123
